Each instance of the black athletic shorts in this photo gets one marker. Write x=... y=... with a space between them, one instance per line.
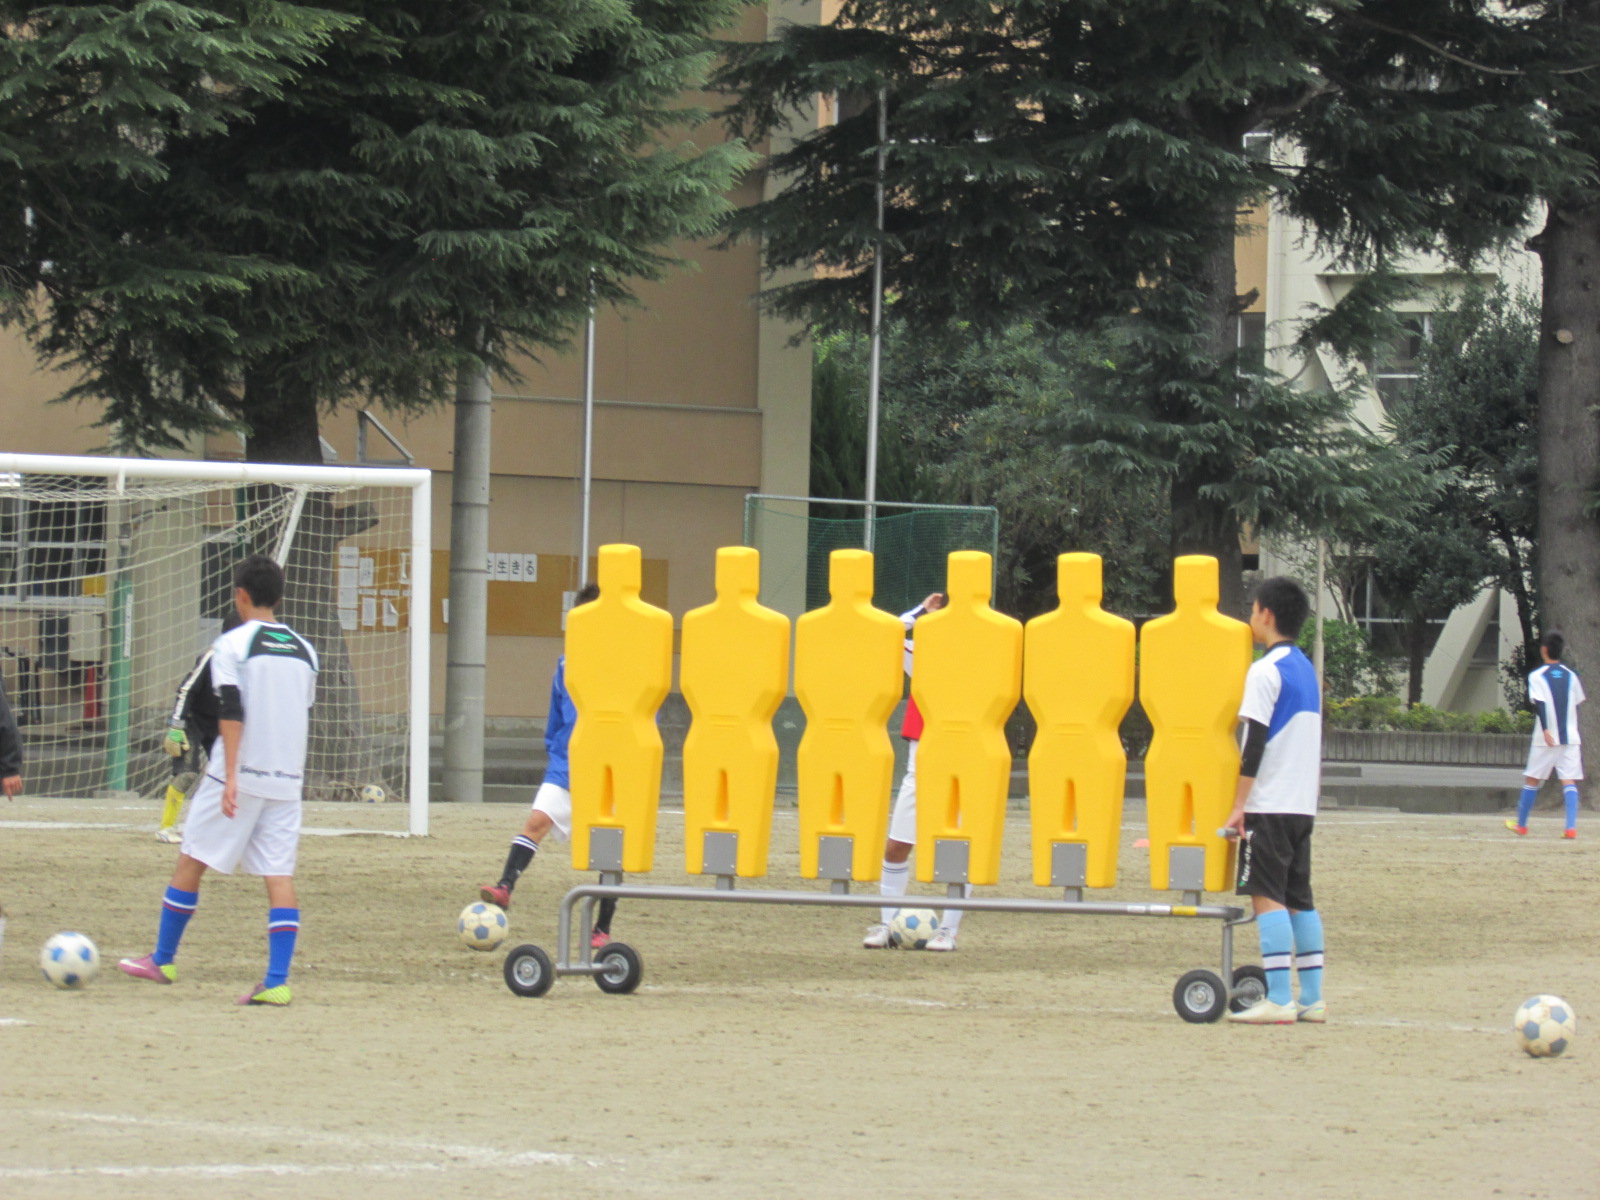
x=1275 y=859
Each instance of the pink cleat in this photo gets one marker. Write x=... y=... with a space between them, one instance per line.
x=148 y=968
x=494 y=893
x=598 y=940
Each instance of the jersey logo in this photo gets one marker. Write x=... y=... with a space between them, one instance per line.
x=280 y=643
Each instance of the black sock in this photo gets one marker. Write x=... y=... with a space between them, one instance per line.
x=608 y=909
x=522 y=851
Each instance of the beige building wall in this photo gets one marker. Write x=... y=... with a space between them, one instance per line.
x=1299 y=283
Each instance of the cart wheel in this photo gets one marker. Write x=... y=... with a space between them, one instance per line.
x=1200 y=997
x=529 y=971
x=621 y=968
x=1249 y=985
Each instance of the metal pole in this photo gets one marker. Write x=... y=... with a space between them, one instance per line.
x=874 y=374
x=466 y=667
x=588 y=444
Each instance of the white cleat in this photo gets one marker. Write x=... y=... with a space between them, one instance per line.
x=877 y=938
x=169 y=835
x=1265 y=1012
x=942 y=939
x=1315 y=1013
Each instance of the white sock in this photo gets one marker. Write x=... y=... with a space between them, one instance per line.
x=951 y=919
x=893 y=883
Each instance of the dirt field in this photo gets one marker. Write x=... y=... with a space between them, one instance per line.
x=768 y=1056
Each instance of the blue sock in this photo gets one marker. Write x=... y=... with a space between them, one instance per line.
x=177 y=906
x=1277 y=952
x=283 y=925
x=1308 y=954
x=1570 y=795
x=1525 y=804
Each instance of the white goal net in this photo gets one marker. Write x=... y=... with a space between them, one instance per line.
x=116 y=574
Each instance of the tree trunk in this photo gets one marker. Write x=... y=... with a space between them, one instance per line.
x=1569 y=443
x=285 y=429
x=1416 y=634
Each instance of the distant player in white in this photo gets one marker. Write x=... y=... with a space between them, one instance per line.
x=265 y=678
x=1555 y=691
x=1275 y=806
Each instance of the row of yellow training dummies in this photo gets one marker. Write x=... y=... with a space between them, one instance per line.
x=1075 y=665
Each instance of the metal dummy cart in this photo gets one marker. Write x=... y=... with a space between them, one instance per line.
x=1200 y=995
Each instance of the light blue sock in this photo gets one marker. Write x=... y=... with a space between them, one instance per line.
x=283 y=926
x=1277 y=953
x=1570 y=795
x=1308 y=953
x=1525 y=804
x=177 y=906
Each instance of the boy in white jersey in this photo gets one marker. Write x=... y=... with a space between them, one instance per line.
x=1275 y=807
x=1555 y=691
x=265 y=678
x=902 y=839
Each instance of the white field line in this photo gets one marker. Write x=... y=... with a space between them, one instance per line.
x=149 y=827
x=456 y=1156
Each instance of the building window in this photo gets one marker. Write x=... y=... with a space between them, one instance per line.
x=1394 y=372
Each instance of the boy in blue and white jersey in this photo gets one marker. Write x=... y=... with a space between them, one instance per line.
x=245 y=813
x=1555 y=691
x=1275 y=807
x=552 y=803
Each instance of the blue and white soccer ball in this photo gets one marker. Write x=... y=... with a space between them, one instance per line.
x=373 y=794
x=69 y=960
x=482 y=926
x=912 y=927
x=1545 y=1025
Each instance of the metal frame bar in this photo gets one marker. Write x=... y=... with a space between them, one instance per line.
x=724 y=892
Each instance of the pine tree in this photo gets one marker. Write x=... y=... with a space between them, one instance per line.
x=438 y=186
x=1082 y=163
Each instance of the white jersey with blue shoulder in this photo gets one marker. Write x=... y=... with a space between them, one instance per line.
x=1282 y=693
x=275 y=670
x=1555 y=691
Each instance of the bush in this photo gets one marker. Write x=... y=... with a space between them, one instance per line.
x=1386 y=712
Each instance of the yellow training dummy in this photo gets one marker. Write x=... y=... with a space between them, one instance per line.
x=967 y=680
x=619 y=669
x=1192 y=665
x=734 y=674
x=847 y=677
x=1078 y=678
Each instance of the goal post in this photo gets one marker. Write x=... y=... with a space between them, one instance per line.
x=116 y=573
x=910 y=545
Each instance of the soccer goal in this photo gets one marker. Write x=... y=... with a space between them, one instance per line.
x=909 y=542
x=115 y=576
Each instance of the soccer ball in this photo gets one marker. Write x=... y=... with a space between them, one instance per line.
x=69 y=960
x=373 y=794
x=482 y=926
x=912 y=927
x=1544 y=1025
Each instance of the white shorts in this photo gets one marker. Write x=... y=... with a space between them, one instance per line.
x=555 y=802
x=262 y=838
x=1565 y=761
x=903 y=821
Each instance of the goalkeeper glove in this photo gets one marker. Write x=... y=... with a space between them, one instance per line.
x=176 y=743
